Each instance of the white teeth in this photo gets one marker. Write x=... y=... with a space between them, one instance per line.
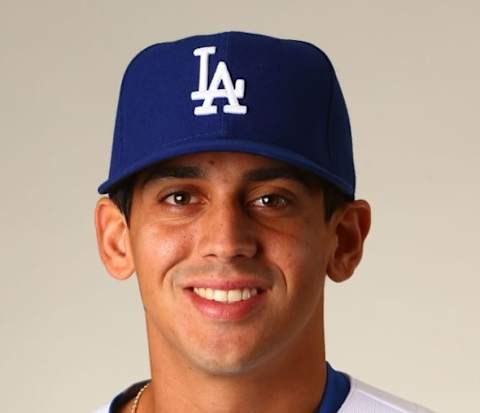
x=220 y=295
x=225 y=296
x=234 y=296
x=246 y=294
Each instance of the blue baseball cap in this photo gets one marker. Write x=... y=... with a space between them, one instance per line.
x=233 y=91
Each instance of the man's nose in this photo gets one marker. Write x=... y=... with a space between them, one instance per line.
x=227 y=232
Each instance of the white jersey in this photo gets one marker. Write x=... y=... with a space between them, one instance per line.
x=363 y=398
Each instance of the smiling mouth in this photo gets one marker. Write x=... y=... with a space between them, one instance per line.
x=226 y=296
x=227 y=304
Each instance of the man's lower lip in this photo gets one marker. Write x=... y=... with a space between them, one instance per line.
x=226 y=311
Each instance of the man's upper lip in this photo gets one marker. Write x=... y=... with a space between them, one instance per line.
x=227 y=284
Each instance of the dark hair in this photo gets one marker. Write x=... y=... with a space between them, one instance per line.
x=333 y=198
x=122 y=195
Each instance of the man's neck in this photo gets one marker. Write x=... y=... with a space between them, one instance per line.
x=292 y=381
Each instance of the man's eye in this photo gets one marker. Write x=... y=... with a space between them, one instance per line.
x=271 y=200
x=180 y=198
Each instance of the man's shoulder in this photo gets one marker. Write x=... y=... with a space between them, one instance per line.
x=365 y=398
x=122 y=398
x=104 y=409
x=362 y=398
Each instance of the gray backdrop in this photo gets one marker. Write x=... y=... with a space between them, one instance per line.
x=72 y=337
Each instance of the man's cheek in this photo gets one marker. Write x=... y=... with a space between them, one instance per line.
x=161 y=257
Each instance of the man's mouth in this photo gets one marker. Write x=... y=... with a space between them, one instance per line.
x=227 y=301
x=226 y=296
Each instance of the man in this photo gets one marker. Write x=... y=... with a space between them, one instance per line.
x=232 y=197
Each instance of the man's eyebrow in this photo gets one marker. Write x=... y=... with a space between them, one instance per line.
x=180 y=171
x=269 y=174
x=255 y=175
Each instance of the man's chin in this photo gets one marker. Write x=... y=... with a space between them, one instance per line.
x=227 y=365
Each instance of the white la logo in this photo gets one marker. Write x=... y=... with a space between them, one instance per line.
x=212 y=92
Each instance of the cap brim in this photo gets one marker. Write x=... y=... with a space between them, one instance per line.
x=226 y=145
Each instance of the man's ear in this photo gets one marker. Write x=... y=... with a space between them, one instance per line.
x=113 y=239
x=350 y=225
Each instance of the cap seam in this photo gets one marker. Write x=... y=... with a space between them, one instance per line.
x=223 y=117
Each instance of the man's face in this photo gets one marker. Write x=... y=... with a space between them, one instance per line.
x=231 y=252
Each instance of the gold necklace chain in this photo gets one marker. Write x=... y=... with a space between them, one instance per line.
x=137 y=398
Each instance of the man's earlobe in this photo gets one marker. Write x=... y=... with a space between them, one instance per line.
x=351 y=227
x=113 y=239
